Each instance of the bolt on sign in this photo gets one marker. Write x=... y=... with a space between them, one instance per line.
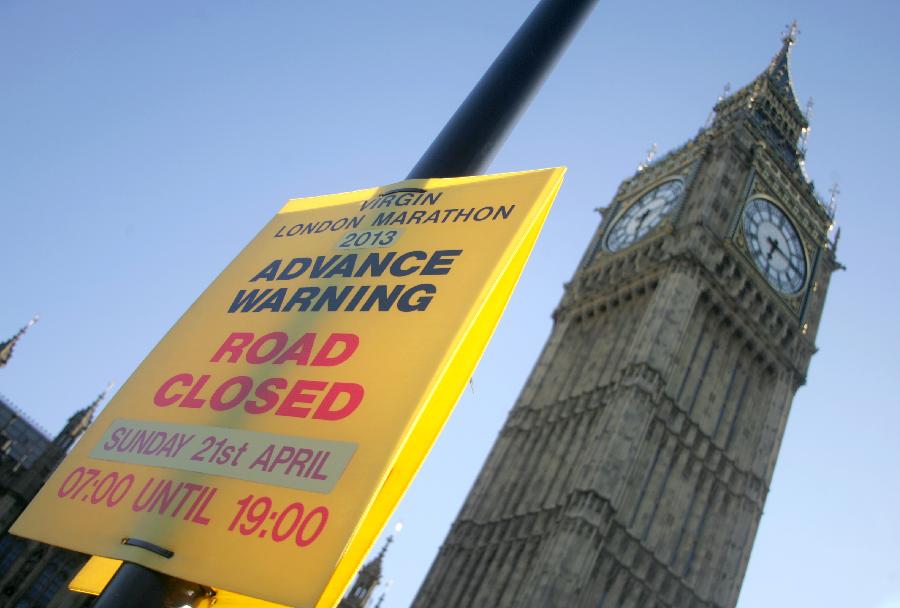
x=265 y=441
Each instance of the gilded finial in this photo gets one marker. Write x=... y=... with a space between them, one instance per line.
x=651 y=152
x=804 y=132
x=726 y=90
x=832 y=201
x=790 y=32
x=778 y=67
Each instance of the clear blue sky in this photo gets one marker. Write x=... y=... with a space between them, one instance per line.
x=143 y=144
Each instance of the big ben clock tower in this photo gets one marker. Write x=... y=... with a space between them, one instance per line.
x=633 y=468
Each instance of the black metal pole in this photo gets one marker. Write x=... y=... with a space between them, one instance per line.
x=135 y=586
x=478 y=128
x=464 y=147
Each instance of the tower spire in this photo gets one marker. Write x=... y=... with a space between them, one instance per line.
x=770 y=99
x=368 y=578
x=770 y=104
x=374 y=566
x=80 y=421
x=779 y=68
x=6 y=348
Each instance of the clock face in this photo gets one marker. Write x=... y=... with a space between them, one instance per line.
x=645 y=214
x=775 y=246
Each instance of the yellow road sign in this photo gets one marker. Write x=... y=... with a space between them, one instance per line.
x=267 y=438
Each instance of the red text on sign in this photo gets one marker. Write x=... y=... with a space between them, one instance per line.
x=277 y=347
x=301 y=399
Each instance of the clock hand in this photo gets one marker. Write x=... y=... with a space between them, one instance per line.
x=777 y=249
x=773 y=245
x=783 y=254
x=641 y=219
x=788 y=260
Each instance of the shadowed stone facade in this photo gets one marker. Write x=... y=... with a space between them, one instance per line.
x=633 y=469
x=367 y=581
x=33 y=574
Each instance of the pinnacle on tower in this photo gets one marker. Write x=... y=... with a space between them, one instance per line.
x=778 y=74
x=779 y=69
x=833 y=200
x=770 y=104
x=651 y=154
x=80 y=420
x=6 y=348
x=776 y=78
x=373 y=568
x=369 y=578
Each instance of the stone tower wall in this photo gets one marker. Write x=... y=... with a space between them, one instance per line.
x=633 y=469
